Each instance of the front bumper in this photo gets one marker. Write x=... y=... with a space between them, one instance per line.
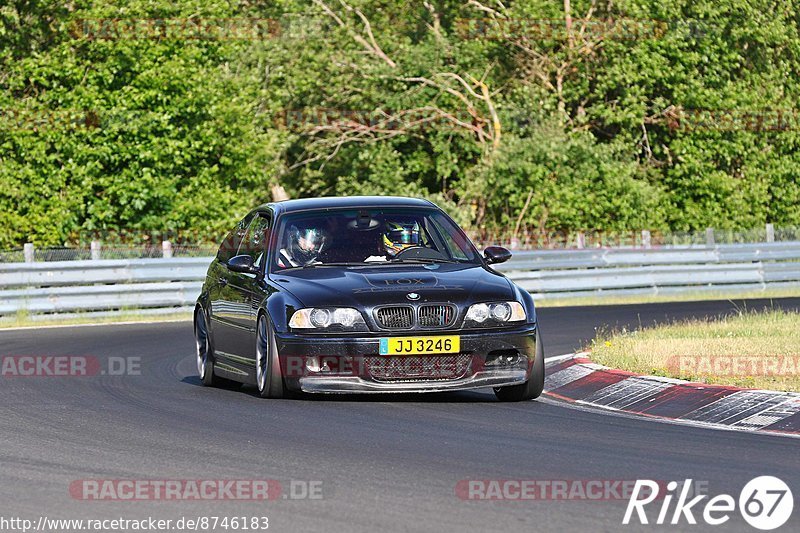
x=348 y=369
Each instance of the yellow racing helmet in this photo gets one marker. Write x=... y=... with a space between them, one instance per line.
x=398 y=236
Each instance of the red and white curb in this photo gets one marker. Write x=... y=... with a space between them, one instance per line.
x=575 y=378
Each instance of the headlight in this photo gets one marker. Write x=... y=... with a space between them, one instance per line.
x=322 y=318
x=492 y=314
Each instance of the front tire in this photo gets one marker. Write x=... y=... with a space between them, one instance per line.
x=268 y=368
x=530 y=389
x=205 y=350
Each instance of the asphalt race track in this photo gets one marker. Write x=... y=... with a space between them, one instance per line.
x=385 y=463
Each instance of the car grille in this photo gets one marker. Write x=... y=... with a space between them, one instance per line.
x=427 y=316
x=418 y=368
x=395 y=317
x=436 y=316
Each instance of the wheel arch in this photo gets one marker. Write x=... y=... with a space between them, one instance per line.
x=278 y=307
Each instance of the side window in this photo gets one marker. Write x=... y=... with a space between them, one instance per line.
x=456 y=251
x=255 y=240
x=233 y=240
x=425 y=239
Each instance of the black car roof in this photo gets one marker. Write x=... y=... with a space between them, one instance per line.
x=335 y=202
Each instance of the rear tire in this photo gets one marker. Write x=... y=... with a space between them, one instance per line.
x=530 y=389
x=268 y=369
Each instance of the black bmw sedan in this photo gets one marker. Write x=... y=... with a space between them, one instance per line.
x=363 y=294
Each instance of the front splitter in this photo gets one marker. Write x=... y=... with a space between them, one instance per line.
x=356 y=384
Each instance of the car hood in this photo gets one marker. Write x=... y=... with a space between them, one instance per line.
x=376 y=285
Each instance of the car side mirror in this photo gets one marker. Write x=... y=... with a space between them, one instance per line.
x=243 y=264
x=496 y=254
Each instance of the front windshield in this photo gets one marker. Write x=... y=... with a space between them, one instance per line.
x=370 y=236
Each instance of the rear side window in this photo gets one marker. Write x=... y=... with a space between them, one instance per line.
x=230 y=245
x=255 y=240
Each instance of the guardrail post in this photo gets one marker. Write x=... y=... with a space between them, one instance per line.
x=646 y=238
x=770 y=233
x=28 y=252
x=580 y=240
x=710 y=237
x=95 y=247
x=166 y=249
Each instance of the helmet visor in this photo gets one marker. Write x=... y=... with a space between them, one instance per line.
x=404 y=234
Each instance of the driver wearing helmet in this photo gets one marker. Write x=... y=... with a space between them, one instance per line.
x=304 y=247
x=399 y=236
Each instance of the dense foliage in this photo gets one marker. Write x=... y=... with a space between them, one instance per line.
x=599 y=115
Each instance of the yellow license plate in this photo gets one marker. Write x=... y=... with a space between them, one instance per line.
x=420 y=345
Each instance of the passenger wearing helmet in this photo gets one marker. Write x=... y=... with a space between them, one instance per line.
x=303 y=247
x=399 y=236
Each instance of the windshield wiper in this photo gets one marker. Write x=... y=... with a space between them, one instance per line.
x=425 y=260
x=339 y=264
x=414 y=260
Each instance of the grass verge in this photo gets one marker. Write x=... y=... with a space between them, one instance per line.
x=688 y=296
x=22 y=320
x=750 y=349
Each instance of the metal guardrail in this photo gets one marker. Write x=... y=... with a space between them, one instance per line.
x=83 y=286
x=174 y=283
x=613 y=271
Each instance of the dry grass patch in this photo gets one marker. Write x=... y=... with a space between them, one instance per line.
x=609 y=298
x=749 y=349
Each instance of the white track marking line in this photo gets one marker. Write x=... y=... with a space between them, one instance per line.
x=557 y=358
x=95 y=324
